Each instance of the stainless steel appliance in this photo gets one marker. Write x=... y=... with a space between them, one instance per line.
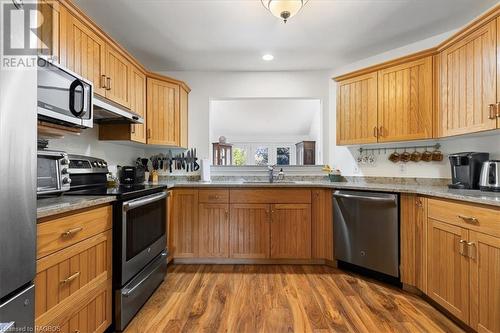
x=18 y=149
x=465 y=169
x=366 y=228
x=52 y=172
x=64 y=97
x=489 y=179
x=105 y=111
x=132 y=175
x=139 y=234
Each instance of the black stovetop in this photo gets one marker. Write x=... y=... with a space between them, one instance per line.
x=119 y=190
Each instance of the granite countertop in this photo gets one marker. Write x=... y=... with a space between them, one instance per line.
x=62 y=204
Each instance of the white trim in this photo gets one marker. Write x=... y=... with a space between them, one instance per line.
x=254 y=170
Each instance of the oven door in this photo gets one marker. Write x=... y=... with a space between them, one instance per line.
x=143 y=233
x=63 y=96
x=49 y=173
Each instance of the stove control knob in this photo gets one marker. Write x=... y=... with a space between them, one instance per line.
x=64 y=171
x=66 y=181
x=64 y=161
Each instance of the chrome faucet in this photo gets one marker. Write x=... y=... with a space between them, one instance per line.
x=270 y=169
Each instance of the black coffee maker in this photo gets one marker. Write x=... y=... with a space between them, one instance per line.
x=466 y=169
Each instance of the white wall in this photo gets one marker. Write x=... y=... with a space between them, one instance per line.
x=226 y=85
x=344 y=158
x=87 y=144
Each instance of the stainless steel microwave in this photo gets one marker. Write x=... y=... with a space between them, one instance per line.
x=64 y=97
x=52 y=172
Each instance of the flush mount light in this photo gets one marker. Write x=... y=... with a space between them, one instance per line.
x=267 y=57
x=284 y=9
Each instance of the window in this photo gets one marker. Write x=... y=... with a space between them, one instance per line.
x=283 y=156
x=239 y=156
x=261 y=156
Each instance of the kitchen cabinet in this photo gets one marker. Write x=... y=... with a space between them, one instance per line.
x=214 y=230
x=184 y=227
x=405 y=101
x=357 y=110
x=290 y=231
x=83 y=51
x=162 y=112
x=249 y=231
x=448 y=270
x=322 y=224
x=117 y=77
x=48 y=31
x=183 y=117
x=73 y=282
x=468 y=87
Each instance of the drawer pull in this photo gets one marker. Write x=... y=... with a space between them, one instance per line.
x=462 y=244
x=71 y=232
x=471 y=254
x=214 y=197
x=70 y=278
x=469 y=219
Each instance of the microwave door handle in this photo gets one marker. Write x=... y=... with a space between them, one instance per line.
x=72 y=98
x=129 y=205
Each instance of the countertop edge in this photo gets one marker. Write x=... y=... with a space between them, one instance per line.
x=65 y=207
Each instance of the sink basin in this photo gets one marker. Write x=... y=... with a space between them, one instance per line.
x=262 y=182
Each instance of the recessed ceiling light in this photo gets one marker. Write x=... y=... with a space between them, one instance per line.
x=267 y=57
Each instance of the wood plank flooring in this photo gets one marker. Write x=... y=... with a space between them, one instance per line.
x=282 y=298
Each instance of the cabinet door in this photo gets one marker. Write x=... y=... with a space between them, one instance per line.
x=448 y=268
x=183 y=118
x=184 y=231
x=357 y=110
x=405 y=101
x=213 y=230
x=162 y=112
x=484 y=251
x=468 y=83
x=48 y=31
x=83 y=51
x=291 y=231
x=118 y=77
x=138 y=103
x=322 y=224
x=249 y=231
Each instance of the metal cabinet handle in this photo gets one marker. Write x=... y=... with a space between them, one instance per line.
x=133 y=129
x=418 y=203
x=103 y=81
x=498 y=109
x=471 y=254
x=375 y=131
x=71 y=232
x=381 y=131
x=493 y=111
x=149 y=133
x=469 y=219
x=108 y=83
x=462 y=250
x=70 y=278
x=226 y=213
x=212 y=197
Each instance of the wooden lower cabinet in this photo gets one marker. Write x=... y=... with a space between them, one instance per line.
x=291 y=231
x=484 y=256
x=184 y=227
x=249 y=231
x=213 y=230
x=448 y=268
x=322 y=224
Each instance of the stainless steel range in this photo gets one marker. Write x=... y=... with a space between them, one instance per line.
x=139 y=234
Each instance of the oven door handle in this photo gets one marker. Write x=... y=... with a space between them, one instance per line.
x=129 y=205
x=128 y=292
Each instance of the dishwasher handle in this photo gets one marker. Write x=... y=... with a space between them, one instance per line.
x=365 y=198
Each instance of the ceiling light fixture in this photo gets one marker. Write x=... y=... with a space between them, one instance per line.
x=267 y=57
x=284 y=9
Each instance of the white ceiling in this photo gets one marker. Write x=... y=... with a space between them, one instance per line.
x=244 y=119
x=234 y=34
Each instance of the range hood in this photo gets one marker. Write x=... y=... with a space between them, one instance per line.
x=108 y=112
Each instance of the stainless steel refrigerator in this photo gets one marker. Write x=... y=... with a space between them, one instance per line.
x=18 y=123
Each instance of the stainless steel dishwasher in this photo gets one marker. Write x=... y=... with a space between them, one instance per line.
x=366 y=229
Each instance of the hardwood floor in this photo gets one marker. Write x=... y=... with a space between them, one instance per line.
x=287 y=298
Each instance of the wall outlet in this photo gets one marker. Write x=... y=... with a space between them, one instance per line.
x=356 y=169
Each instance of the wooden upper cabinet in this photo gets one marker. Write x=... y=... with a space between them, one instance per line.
x=184 y=228
x=162 y=112
x=183 y=118
x=213 y=230
x=405 y=101
x=357 y=110
x=82 y=51
x=291 y=231
x=249 y=231
x=485 y=282
x=448 y=268
x=138 y=103
x=117 y=80
x=469 y=83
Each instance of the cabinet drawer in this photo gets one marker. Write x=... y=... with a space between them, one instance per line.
x=213 y=196
x=270 y=196
x=471 y=216
x=65 y=231
x=62 y=274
